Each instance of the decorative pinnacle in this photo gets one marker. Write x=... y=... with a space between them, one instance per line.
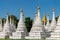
x=21 y=10
x=53 y=10
x=38 y=7
x=6 y=13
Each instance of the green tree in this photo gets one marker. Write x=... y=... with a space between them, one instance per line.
x=3 y=21
x=28 y=23
x=56 y=18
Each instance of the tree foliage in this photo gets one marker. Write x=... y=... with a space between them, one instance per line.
x=28 y=23
x=56 y=18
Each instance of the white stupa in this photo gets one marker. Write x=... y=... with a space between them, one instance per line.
x=53 y=23
x=56 y=34
x=37 y=27
x=52 y=28
x=7 y=27
x=34 y=20
x=21 y=31
x=1 y=28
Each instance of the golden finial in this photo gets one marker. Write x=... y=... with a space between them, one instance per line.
x=44 y=18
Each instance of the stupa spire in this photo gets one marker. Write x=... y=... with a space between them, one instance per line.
x=7 y=16
x=53 y=23
x=21 y=15
x=44 y=18
x=53 y=11
x=21 y=12
x=37 y=26
x=38 y=10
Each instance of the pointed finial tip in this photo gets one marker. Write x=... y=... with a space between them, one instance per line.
x=6 y=12
x=38 y=6
x=21 y=10
x=53 y=9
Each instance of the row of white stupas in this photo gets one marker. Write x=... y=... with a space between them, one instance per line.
x=38 y=30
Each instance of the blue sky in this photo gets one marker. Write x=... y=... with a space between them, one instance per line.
x=29 y=7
